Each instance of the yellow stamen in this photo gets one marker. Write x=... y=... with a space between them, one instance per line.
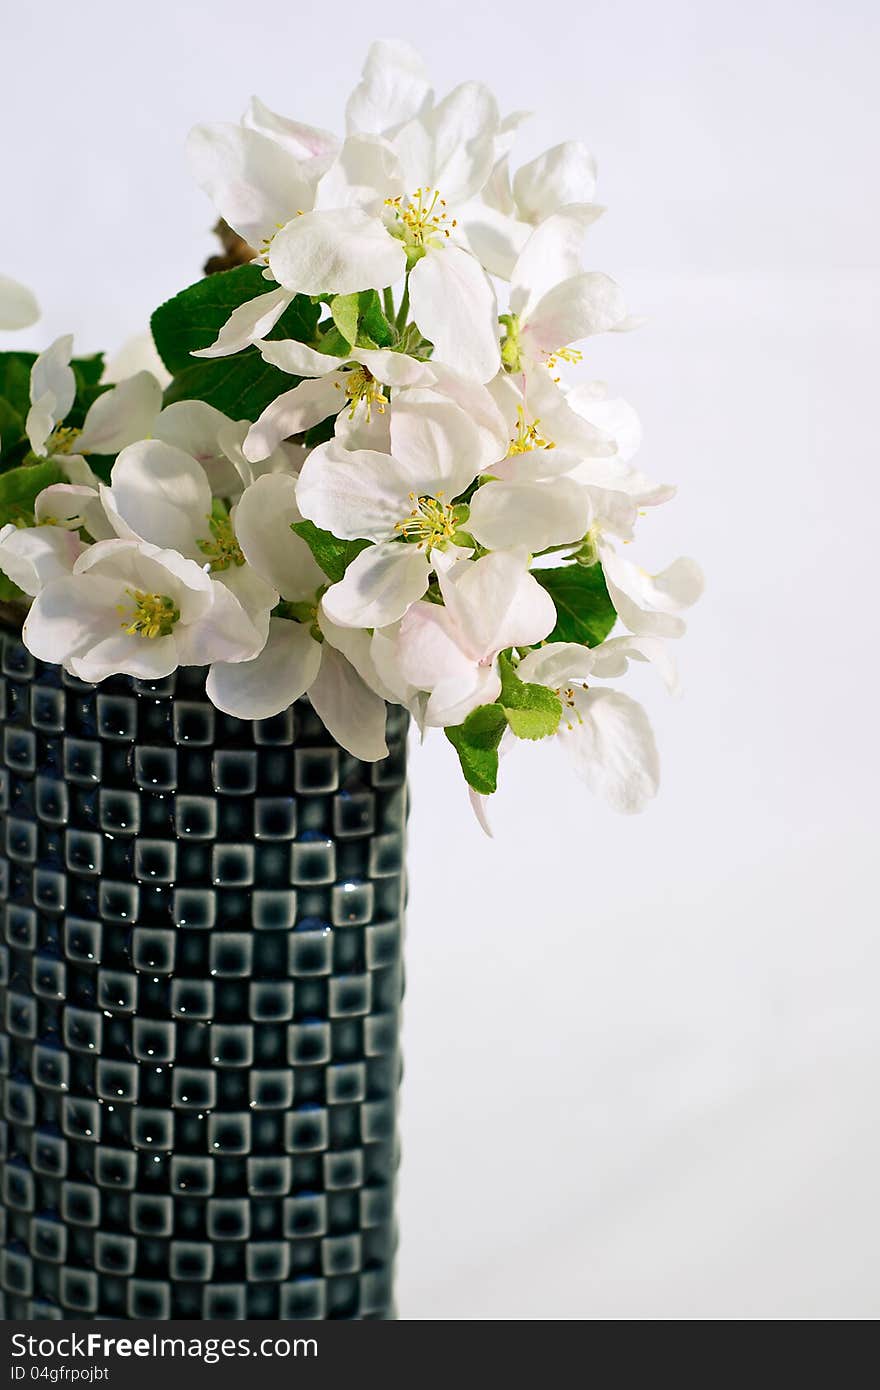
x=431 y=522
x=564 y=354
x=527 y=436
x=362 y=386
x=62 y=440
x=423 y=217
x=148 y=615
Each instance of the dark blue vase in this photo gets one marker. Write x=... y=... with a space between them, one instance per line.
x=200 y=979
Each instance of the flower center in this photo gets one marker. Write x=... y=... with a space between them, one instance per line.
x=222 y=550
x=528 y=436
x=62 y=440
x=570 y=712
x=148 y=615
x=422 y=218
x=362 y=386
x=431 y=522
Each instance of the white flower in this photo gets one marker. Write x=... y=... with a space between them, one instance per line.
x=553 y=301
x=650 y=604
x=605 y=733
x=32 y=556
x=489 y=605
x=302 y=651
x=353 y=384
x=136 y=610
x=18 y=307
x=499 y=223
x=117 y=417
x=391 y=499
x=160 y=494
x=216 y=443
x=394 y=87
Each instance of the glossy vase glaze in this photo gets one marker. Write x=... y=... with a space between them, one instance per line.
x=200 y=988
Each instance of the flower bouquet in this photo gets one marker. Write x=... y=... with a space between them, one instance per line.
x=370 y=472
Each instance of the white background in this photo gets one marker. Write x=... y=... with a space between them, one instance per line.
x=642 y=1055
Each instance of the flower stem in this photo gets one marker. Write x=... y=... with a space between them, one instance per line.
x=388 y=297
x=403 y=312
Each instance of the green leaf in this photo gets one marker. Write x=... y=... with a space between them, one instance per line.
x=333 y=343
x=332 y=555
x=88 y=370
x=240 y=386
x=344 y=308
x=11 y=427
x=10 y=592
x=19 y=488
x=193 y=318
x=476 y=742
x=15 y=379
x=532 y=711
x=584 y=611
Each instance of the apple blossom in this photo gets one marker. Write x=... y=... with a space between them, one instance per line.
x=18 y=307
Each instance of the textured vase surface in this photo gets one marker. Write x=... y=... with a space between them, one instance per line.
x=200 y=980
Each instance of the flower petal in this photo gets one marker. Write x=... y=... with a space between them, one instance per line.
x=255 y=184
x=552 y=253
x=379 y=586
x=271 y=681
x=120 y=416
x=352 y=713
x=206 y=435
x=263 y=520
x=304 y=142
x=336 y=252
x=18 y=307
x=575 y=309
x=510 y=515
x=293 y=412
x=565 y=174
x=298 y=358
x=394 y=368
x=394 y=87
x=496 y=603
x=32 y=556
x=161 y=495
x=556 y=664
x=454 y=305
x=463 y=127
x=649 y=604
x=356 y=495
x=613 y=749
x=53 y=373
x=224 y=632
x=437 y=446
x=363 y=175
x=612 y=658
x=247 y=324
x=474 y=399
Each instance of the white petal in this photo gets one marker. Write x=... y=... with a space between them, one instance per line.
x=649 y=604
x=454 y=305
x=363 y=175
x=41 y=421
x=557 y=663
x=577 y=308
x=32 y=556
x=224 y=632
x=263 y=519
x=355 y=431
x=613 y=749
x=356 y=495
x=394 y=87
x=207 y=436
x=160 y=494
x=280 y=674
x=478 y=806
x=463 y=128
x=612 y=658
x=552 y=253
x=53 y=373
x=254 y=183
x=496 y=603
x=256 y=597
x=474 y=399
x=379 y=586
x=304 y=142
x=138 y=565
x=436 y=443
x=336 y=252
x=298 y=359
x=565 y=174
x=120 y=416
x=614 y=416
x=294 y=411
x=18 y=307
x=248 y=323
x=454 y=698
x=137 y=354
x=349 y=710
x=533 y=516
x=394 y=368
x=495 y=238
x=73 y=506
